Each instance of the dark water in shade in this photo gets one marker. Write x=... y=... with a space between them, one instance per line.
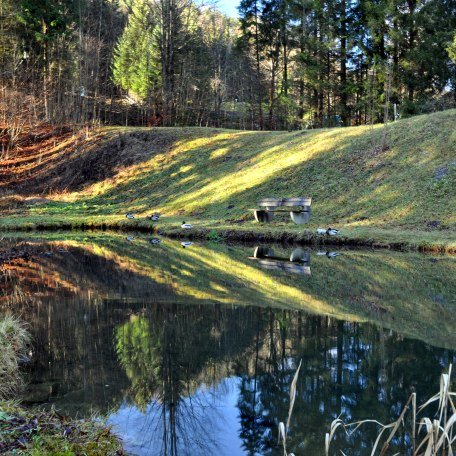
x=192 y=351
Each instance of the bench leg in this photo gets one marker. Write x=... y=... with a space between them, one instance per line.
x=300 y=255
x=300 y=217
x=262 y=252
x=262 y=216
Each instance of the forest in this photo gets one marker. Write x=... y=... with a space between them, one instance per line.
x=224 y=222
x=281 y=65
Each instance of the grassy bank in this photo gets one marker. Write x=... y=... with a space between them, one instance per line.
x=32 y=432
x=25 y=431
x=397 y=192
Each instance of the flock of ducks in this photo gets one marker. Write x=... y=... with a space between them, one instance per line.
x=186 y=226
x=155 y=217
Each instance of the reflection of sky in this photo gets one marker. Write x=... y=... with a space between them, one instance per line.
x=210 y=425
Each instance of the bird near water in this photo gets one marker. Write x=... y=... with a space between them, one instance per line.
x=186 y=226
x=329 y=231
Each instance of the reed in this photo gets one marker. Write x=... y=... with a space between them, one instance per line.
x=431 y=436
x=283 y=428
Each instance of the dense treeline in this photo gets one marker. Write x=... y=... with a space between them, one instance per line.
x=282 y=64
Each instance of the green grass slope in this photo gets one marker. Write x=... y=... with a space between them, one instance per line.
x=213 y=177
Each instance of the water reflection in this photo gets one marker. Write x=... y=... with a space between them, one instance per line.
x=192 y=351
x=297 y=263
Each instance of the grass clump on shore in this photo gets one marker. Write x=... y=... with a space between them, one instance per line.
x=432 y=435
x=412 y=433
x=14 y=339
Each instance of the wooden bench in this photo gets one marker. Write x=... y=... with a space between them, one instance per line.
x=299 y=209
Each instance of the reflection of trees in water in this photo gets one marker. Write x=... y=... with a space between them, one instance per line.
x=352 y=370
x=74 y=304
x=349 y=369
x=168 y=352
x=74 y=365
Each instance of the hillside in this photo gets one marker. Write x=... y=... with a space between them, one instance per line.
x=212 y=177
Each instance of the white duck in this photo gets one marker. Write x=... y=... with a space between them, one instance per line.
x=130 y=216
x=186 y=226
x=186 y=244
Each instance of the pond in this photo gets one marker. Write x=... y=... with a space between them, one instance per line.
x=191 y=351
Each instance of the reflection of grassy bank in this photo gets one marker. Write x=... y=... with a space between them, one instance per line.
x=412 y=294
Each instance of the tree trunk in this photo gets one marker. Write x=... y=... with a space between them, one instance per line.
x=343 y=65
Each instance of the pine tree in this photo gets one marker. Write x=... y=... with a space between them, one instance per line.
x=136 y=65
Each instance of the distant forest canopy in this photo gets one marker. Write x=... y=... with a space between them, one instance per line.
x=284 y=64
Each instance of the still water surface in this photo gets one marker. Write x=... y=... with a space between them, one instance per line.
x=191 y=351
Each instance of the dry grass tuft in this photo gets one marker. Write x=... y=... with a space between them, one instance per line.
x=429 y=436
x=14 y=339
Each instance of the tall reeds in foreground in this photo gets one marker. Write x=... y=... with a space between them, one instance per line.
x=283 y=428
x=430 y=437
x=14 y=339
